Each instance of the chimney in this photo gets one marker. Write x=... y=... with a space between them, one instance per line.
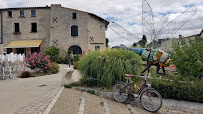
x=57 y=4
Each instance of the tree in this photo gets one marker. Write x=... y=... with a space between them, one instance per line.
x=142 y=42
x=134 y=44
x=153 y=44
x=188 y=57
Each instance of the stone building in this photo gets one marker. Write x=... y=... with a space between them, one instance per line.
x=166 y=44
x=37 y=28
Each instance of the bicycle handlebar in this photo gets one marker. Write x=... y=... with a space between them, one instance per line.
x=144 y=76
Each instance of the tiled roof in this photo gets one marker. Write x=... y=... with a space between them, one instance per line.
x=195 y=34
x=83 y=12
x=2 y=9
x=192 y=36
x=57 y=5
x=201 y=32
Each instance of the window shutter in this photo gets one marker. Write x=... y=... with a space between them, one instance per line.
x=74 y=15
x=74 y=30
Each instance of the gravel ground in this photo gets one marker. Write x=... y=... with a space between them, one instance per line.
x=93 y=105
x=140 y=110
x=68 y=102
x=117 y=108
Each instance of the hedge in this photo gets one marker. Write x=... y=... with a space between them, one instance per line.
x=180 y=90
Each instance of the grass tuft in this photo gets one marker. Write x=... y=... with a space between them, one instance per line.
x=110 y=65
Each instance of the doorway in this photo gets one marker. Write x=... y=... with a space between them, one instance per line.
x=20 y=50
x=76 y=49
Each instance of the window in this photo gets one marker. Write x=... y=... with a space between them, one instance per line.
x=16 y=27
x=34 y=27
x=74 y=15
x=74 y=30
x=33 y=13
x=9 y=13
x=97 y=48
x=21 y=13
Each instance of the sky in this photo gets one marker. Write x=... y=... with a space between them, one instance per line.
x=127 y=13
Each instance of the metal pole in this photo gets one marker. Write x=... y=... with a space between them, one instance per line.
x=69 y=63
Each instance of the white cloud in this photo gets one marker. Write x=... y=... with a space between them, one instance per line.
x=125 y=12
x=3 y=4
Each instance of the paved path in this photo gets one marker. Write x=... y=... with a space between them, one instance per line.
x=74 y=101
x=29 y=95
x=71 y=102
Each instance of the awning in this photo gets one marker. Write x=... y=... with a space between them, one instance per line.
x=24 y=44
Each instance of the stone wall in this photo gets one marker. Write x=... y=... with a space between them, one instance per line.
x=167 y=44
x=0 y=27
x=96 y=30
x=61 y=30
x=43 y=26
x=54 y=28
x=88 y=26
x=1 y=45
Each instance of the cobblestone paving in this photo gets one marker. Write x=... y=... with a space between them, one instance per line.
x=29 y=95
x=39 y=106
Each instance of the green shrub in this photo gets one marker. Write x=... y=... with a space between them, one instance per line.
x=110 y=65
x=71 y=85
x=55 y=68
x=91 y=91
x=75 y=65
x=76 y=58
x=53 y=52
x=188 y=57
x=26 y=74
x=187 y=91
x=88 y=82
x=59 y=60
x=67 y=57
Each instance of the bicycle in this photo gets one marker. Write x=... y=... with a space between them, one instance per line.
x=150 y=99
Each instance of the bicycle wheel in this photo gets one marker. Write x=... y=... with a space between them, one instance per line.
x=120 y=92
x=151 y=100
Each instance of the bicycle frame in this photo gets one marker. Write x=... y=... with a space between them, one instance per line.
x=129 y=84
